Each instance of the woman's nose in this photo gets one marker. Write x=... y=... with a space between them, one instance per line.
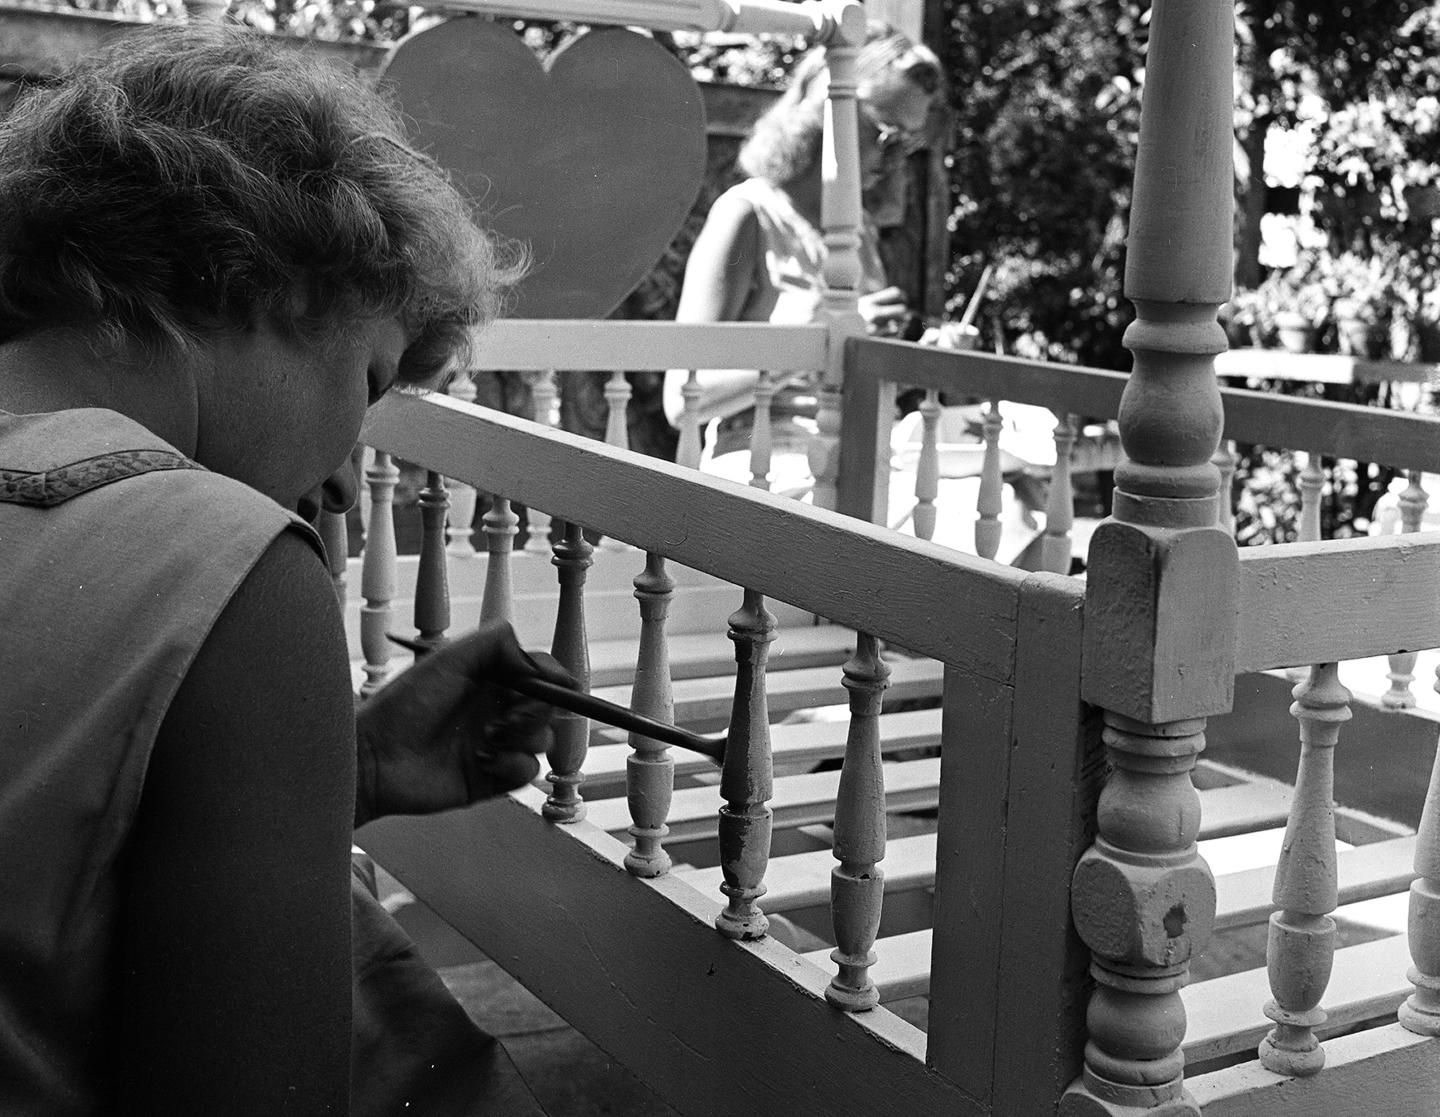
x=340 y=489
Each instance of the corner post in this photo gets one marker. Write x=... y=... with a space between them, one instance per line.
x=1161 y=597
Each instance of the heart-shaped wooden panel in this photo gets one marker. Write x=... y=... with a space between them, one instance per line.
x=593 y=160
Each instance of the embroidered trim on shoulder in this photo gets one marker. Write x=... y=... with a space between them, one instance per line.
x=47 y=488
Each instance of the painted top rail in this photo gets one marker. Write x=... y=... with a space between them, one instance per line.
x=536 y=344
x=1395 y=438
x=929 y=599
x=817 y=20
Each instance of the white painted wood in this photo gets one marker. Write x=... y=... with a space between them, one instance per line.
x=1301 y=944
x=462 y=496
x=583 y=345
x=1421 y=1011
x=1312 y=486
x=858 y=574
x=377 y=578
x=571 y=647
x=901 y=967
x=545 y=401
x=746 y=777
x=761 y=437
x=1363 y=873
x=1413 y=501
x=1060 y=504
x=687 y=452
x=810 y=18
x=1377 y=593
x=650 y=769
x=988 y=505
x=499 y=525
x=927 y=471
x=432 y=588
x=857 y=883
x=685 y=1047
x=617 y=398
x=1385 y=1070
x=1225 y=461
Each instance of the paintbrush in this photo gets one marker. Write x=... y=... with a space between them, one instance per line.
x=595 y=708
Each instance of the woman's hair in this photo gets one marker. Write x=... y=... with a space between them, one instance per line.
x=785 y=141
x=198 y=179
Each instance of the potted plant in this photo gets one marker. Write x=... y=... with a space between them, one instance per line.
x=1302 y=305
x=1364 y=291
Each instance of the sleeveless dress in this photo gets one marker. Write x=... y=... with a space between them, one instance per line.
x=98 y=626
x=788 y=292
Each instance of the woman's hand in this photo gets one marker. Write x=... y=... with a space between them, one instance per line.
x=884 y=311
x=447 y=732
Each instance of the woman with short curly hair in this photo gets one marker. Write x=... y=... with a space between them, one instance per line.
x=215 y=254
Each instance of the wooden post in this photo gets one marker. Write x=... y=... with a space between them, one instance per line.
x=544 y=402
x=1421 y=1011
x=857 y=883
x=571 y=647
x=650 y=770
x=927 y=470
x=462 y=496
x=1413 y=501
x=747 y=777
x=377 y=573
x=762 y=437
x=1225 y=461
x=1162 y=583
x=989 y=503
x=1055 y=546
x=499 y=525
x=840 y=214
x=432 y=587
x=687 y=452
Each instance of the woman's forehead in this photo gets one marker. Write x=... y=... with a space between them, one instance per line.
x=897 y=100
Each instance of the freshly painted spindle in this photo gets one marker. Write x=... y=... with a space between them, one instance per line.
x=1301 y=947
x=840 y=218
x=1312 y=485
x=571 y=647
x=499 y=527
x=377 y=572
x=617 y=399
x=1055 y=547
x=857 y=883
x=650 y=770
x=334 y=534
x=1421 y=1011
x=432 y=586
x=1161 y=594
x=747 y=776
x=687 y=452
x=762 y=435
x=989 y=504
x=544 y=402
x=1225 y=461
x=1413 y=501
x=462 y=496
x=927 y=469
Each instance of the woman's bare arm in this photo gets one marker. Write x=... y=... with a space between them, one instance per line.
x=236 y=960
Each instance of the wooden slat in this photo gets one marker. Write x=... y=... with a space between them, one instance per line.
x=1396 y=438
x=555 y=906
x=756 y=17
x=1385 y=1070
x=1319 y=368
x=699 y=654
x=793 y=745
x=1224 y=1015
x=798 y=800
x=577 y=344
x=1243 y=808
x=854 y=573
x=706 y=701
x=1368 y=871
x=899 y=962
x=1378 y=595
x=802 y=880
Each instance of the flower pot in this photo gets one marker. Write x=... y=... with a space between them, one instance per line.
x=1359 y=337
x=1295 y=332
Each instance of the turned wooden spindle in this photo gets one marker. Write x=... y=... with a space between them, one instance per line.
x=1225 y=460
x=650 y=770
x=617 y=401
x=762 y=437
x=1421 y=1011
x=747 y=775
x=990 y=503
x=377 y=572
x=840 y=219
x=857 y=883
x=927 y=469
x=572 y=648
x=1301 y=947
x=1311 y=483
x=499 y=526
x=463 y=497
x=1413 y=501
x=1055 y=544
x=1162 y=583
x=432 y=586
x=687 y=451
x=544 y=409
x=335 y=535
